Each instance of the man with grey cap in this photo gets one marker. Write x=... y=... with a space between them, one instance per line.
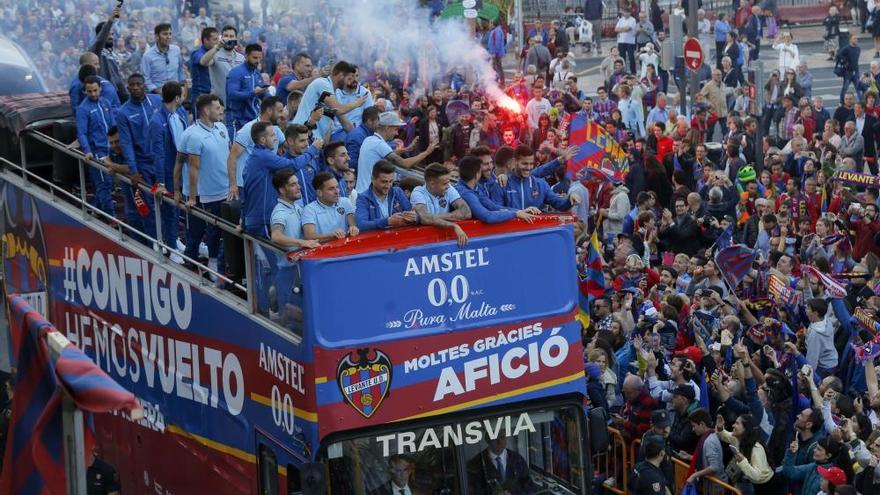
x=375 y=148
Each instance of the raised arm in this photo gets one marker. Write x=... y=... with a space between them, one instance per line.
x=413 y=160
x=101 y=38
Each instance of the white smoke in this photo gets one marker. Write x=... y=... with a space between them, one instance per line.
x=402 y=37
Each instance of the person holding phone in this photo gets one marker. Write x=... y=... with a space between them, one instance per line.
x=749 y=466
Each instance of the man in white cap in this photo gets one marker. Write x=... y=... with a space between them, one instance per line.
x=375 y=148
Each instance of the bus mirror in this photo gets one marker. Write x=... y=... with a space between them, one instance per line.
x=599 y=440
x=313 y=480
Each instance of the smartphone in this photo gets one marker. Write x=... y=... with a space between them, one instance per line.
x=805 y=369
x=733 y=449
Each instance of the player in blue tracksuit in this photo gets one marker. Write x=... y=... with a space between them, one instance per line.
x=481 y=205
x=94 y=118
x=77 y=92
x=523 y=190
x=307 y=159
x=259 y=197
x=166 y=128
x=201 y=76
x=244 y=89
x=355 y=138
x=383 y=205
x=133 y=120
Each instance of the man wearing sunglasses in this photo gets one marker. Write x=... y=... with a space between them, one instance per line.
x=162 y=62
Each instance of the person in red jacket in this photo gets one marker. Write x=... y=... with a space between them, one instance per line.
x=863 y=221
x=664 y=142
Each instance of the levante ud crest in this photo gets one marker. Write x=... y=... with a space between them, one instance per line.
x=365 y=382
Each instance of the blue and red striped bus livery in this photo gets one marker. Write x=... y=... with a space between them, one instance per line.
x=403 y=356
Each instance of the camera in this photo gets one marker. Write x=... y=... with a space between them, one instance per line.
x=328 y=111
x=230 y=44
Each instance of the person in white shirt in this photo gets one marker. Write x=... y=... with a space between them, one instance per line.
x=536 y=106
x=704 y=30
x=788 y=53
x=626 y=39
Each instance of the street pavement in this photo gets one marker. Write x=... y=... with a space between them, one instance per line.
x=808 y=39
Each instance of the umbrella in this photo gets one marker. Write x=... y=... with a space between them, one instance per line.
x=487 y=10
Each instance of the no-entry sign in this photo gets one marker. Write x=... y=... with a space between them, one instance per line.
x=693 y=53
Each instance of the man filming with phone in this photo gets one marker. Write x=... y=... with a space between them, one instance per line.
x=220 y=60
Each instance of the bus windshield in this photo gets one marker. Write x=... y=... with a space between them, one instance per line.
x=527 y=452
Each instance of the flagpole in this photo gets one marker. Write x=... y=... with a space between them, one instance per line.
x=72 y=424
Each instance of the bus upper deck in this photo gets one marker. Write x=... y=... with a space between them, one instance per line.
x=398 y=343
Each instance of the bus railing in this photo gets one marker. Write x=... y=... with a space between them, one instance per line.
x=244 y=290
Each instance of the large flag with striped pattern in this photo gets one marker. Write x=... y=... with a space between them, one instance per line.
x=592 y=280
x=734 y=263
x=34 y=460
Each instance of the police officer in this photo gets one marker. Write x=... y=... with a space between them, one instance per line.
x=133 y=119
x=94 y=118
x=648 y=478
x=166 y=130
x=101 y=477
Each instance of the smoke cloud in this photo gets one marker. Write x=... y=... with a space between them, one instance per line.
x=402 y=37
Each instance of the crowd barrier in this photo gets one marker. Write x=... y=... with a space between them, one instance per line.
x=613 y=468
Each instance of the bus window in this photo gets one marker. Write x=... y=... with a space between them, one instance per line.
x=268 y=466
x=538 y=451
x=294 y=484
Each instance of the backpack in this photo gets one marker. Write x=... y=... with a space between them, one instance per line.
x=841 y=65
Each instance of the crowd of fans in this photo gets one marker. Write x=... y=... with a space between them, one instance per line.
x=767 y=383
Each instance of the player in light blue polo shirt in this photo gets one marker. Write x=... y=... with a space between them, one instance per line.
x=270 y=109
x=330 y=216
x=312 y=95
x=346 y=95
x=375 y=148
x=287 y=232
x=203 y=181
x=438 y=204
x=435 y=205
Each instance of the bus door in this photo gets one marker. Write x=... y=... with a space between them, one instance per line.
x=281 y=472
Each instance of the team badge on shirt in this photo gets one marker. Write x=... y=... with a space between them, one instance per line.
x=223 y=134
x=365 y=382
x=340 y=210
x=443 y=203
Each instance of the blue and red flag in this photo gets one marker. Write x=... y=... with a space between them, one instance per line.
x=725 y=239
x=734 y=263
x=34 y=460
x=596 y=149
x=834 y=288
x=592 y=280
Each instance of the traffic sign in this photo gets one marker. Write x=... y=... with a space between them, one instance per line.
x=693 y=53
